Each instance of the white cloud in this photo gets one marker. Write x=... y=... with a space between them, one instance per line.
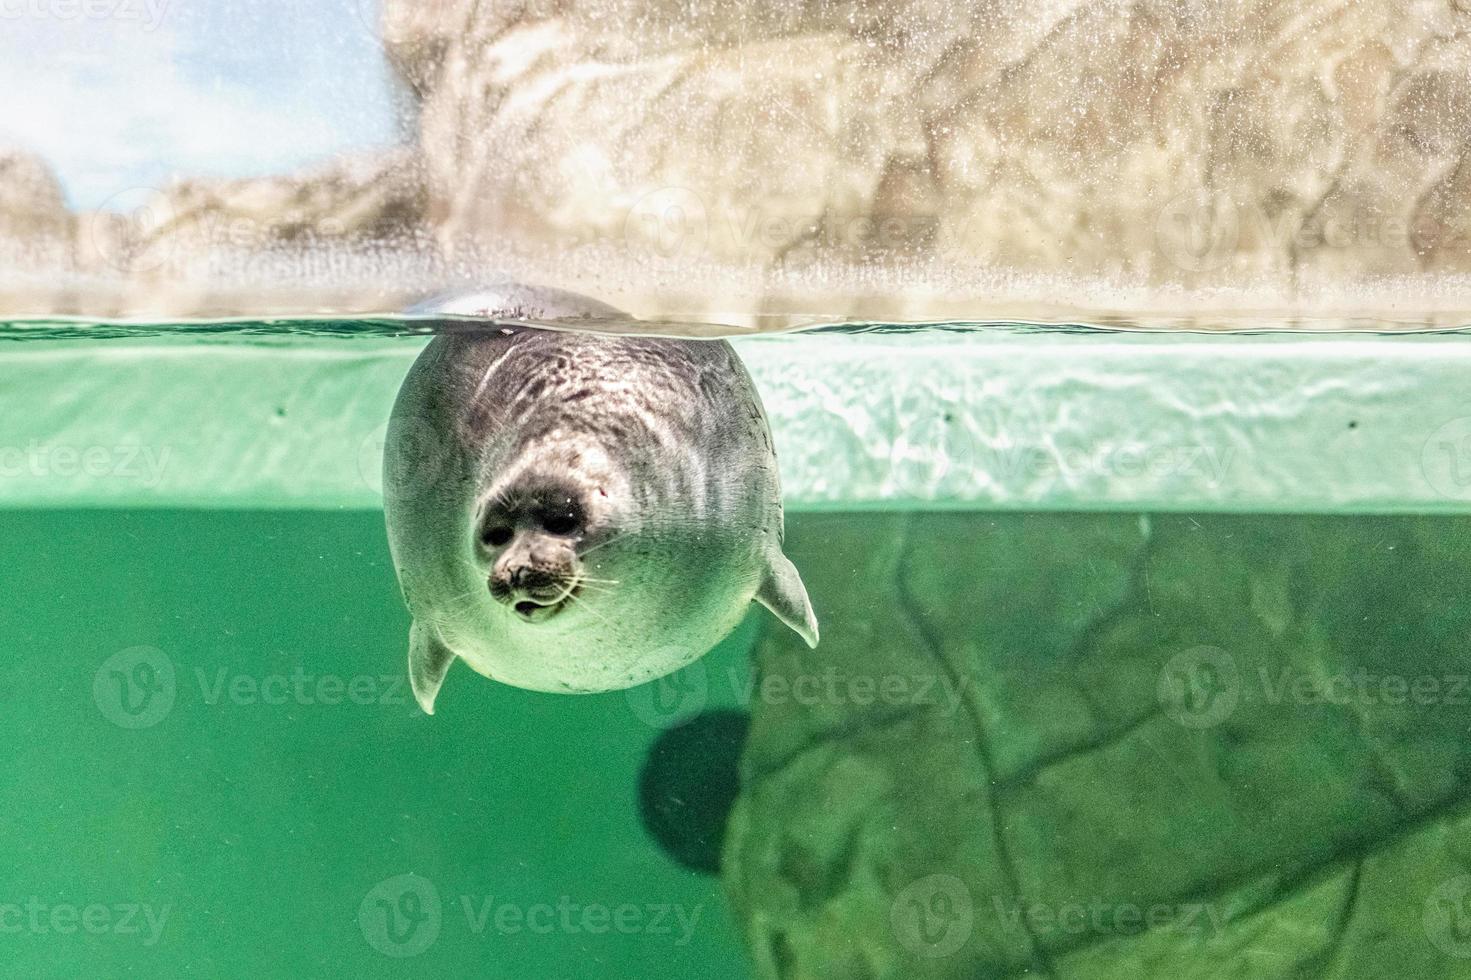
x=222 y=88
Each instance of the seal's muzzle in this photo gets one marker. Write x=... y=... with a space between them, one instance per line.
x=535 y=576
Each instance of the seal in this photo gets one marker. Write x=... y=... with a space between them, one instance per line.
x=578 y=512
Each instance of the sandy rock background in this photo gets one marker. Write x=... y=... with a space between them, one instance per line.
x=931 y=159
x=774 y=163
x=331 y=238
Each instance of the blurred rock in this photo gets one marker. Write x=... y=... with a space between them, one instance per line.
x=32 y=205
x=348 y=236
x=35 y=232
x=1100 y=746
x=931 y=159
x=339 y=237
x=771 y=164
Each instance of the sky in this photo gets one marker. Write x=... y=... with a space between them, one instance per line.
x=121 y=95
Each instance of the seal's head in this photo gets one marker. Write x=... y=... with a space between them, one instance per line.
x=583 y=577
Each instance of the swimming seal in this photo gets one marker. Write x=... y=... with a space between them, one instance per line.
x=579 y=512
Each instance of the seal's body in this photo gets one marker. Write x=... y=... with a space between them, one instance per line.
x=581 y=512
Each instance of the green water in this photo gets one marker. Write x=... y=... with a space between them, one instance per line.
x=1022 y=737
x=262 y=804
x=1076 y=741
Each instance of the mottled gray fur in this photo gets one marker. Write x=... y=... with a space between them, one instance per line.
x=666 y=450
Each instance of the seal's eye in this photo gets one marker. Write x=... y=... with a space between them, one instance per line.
x=497 y=535
x=560 y=521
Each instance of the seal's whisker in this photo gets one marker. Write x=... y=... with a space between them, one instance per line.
x=467 y=595
x=589 y=607
x=479 y=572
x=604 y=544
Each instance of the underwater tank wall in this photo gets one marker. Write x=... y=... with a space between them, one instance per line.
x=1127 y=484
x=1123 y=673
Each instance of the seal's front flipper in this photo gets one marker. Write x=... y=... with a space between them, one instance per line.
x=429 y=660
x=784 y=594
